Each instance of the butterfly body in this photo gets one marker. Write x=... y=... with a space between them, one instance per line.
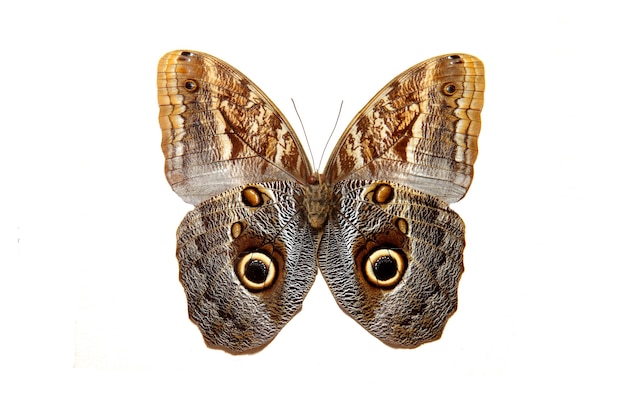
x=376 y=222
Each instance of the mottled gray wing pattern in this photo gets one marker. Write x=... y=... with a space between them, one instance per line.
x=393 y=263
x=247 y=260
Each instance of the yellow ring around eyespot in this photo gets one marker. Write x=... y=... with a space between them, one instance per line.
x=269 y=264
x=371 y=275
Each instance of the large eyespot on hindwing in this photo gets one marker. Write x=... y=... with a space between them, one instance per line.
x=256 y=270
x=384 y=264
x=385 y=267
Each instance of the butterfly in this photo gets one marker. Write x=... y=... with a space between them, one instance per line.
x=376 y=222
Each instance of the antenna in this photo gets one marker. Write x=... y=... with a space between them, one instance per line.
x=331 y=133
x=306 y=138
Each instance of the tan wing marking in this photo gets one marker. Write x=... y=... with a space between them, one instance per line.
x=221 y=130
x=420 y=130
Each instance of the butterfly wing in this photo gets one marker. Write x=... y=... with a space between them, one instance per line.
x=220 y=130
x=246 y=252
x=247 y=260
x=420 y=130
x=392 y=258
x=392 y=250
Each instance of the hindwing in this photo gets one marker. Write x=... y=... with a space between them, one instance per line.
x=393 y=258
x=247 y=260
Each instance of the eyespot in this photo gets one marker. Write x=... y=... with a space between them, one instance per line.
x=380 y=193
x=236 y=229
x=384 y=267
x=190 y=85
x=184 y=57
x=449 y=89
x=252 y=197
x=402 y=225
x=383 y=194
x=256 y=271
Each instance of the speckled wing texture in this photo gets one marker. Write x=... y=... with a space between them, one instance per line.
x=393 y=253
x=377 y=221
x=246 y=253
x=424 y=239
x=220 y=130
x=219 y=237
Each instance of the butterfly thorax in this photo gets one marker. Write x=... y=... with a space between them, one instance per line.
x=318 y=200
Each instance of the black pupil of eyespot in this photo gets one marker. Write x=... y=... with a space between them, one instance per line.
x=190 y=85
x=256 y=271
x=450 y=88
x=385 y=268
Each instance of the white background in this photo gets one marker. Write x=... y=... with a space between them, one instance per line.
x=93 y=319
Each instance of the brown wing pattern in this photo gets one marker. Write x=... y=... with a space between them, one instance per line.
x=220 y=130
x=420 y=130
x=388 y=245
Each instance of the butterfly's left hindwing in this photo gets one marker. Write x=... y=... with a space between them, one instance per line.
x=393 y=258
x=247 y=260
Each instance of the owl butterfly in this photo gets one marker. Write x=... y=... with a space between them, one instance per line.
x=376 y=222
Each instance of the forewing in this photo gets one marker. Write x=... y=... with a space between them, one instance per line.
x=220 y=130
x=420 y=130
